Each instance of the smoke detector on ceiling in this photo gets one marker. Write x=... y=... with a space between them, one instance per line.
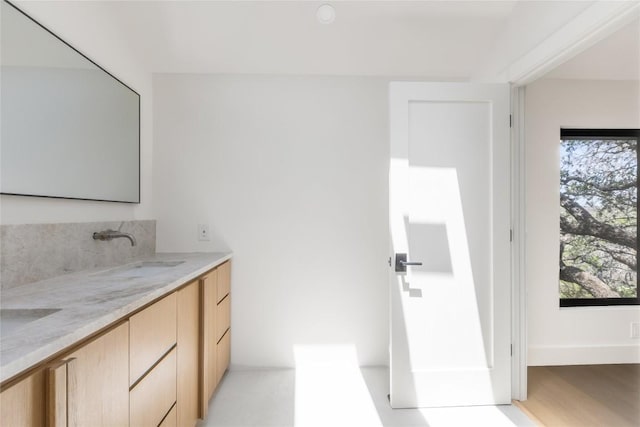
x=326 y=14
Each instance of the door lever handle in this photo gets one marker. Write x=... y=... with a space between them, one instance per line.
x=402 y=263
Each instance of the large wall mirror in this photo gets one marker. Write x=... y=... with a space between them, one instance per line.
x=69 y=129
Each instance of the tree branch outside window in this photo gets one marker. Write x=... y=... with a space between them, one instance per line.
x=598 y=217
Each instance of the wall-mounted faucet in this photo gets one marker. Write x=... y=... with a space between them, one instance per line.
x=112 y=234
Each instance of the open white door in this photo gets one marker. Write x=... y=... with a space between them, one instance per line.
x=449 y=209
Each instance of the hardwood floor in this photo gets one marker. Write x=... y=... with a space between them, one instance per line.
x=587 y=395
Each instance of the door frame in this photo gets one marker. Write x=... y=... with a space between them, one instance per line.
x=518 y=247
x=594 y=24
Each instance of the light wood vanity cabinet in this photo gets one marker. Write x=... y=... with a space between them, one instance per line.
x=152 y=335
x=88 y=386
x=171 y=420
x=155 y=395
x=97 y=383
x=224 y=283
x=215 y=337
x=187 y=411
x=223 y=350
x=223 y=320
x=23 y=403
x=153 y=362
x=208 y=305
x=159 y=367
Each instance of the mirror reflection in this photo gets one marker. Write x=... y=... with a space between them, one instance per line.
x=69 y=128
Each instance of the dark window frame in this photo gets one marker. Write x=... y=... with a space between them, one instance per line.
x=604 y=134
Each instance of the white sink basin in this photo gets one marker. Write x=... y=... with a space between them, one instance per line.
x=15 y=318
x=141 y=269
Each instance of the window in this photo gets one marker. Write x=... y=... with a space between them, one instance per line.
x=598 y=217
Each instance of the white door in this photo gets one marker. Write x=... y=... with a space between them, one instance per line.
x=449 y=210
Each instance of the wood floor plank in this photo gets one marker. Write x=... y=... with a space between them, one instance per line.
x=587 y=395
x=610 y=385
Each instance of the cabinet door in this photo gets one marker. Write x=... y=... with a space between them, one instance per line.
x=188 y=355
x=98 y=381
x=208 y=300
x=23 y=404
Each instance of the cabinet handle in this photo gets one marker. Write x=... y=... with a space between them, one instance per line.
x=57 y=408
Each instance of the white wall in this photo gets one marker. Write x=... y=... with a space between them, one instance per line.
x=560 y=336
x=90 y=28
x=291 y=175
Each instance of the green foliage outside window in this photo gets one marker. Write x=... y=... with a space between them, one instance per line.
x=598 y=217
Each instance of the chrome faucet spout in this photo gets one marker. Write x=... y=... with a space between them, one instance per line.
x=113 y=234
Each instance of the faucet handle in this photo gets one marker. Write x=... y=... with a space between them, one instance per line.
x=112 y=234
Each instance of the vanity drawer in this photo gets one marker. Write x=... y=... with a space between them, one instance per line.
x=223 y=317
x=223 y=350
x=152 y=332
x=171 y=420
x=155 y=394
x=224 y=280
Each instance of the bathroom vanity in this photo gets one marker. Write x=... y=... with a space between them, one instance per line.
x=141 y=344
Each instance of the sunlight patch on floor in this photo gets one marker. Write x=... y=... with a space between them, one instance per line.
x=330 y=389
x=268 y=398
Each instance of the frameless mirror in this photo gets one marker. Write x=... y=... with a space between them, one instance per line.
x=69 y=129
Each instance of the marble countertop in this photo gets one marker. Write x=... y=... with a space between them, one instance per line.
x=88 y=301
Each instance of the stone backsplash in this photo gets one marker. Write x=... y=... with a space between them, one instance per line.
x=32 y=252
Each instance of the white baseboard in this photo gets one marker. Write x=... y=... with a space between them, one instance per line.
x=583 y=355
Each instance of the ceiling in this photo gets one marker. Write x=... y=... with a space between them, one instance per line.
x=446 y=40
x=615 y=58
x=367 y=38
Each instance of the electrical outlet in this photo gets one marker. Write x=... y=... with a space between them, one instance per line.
x=635 y=330
x=203 y=232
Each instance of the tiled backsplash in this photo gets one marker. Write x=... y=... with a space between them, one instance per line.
x=32 y=252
